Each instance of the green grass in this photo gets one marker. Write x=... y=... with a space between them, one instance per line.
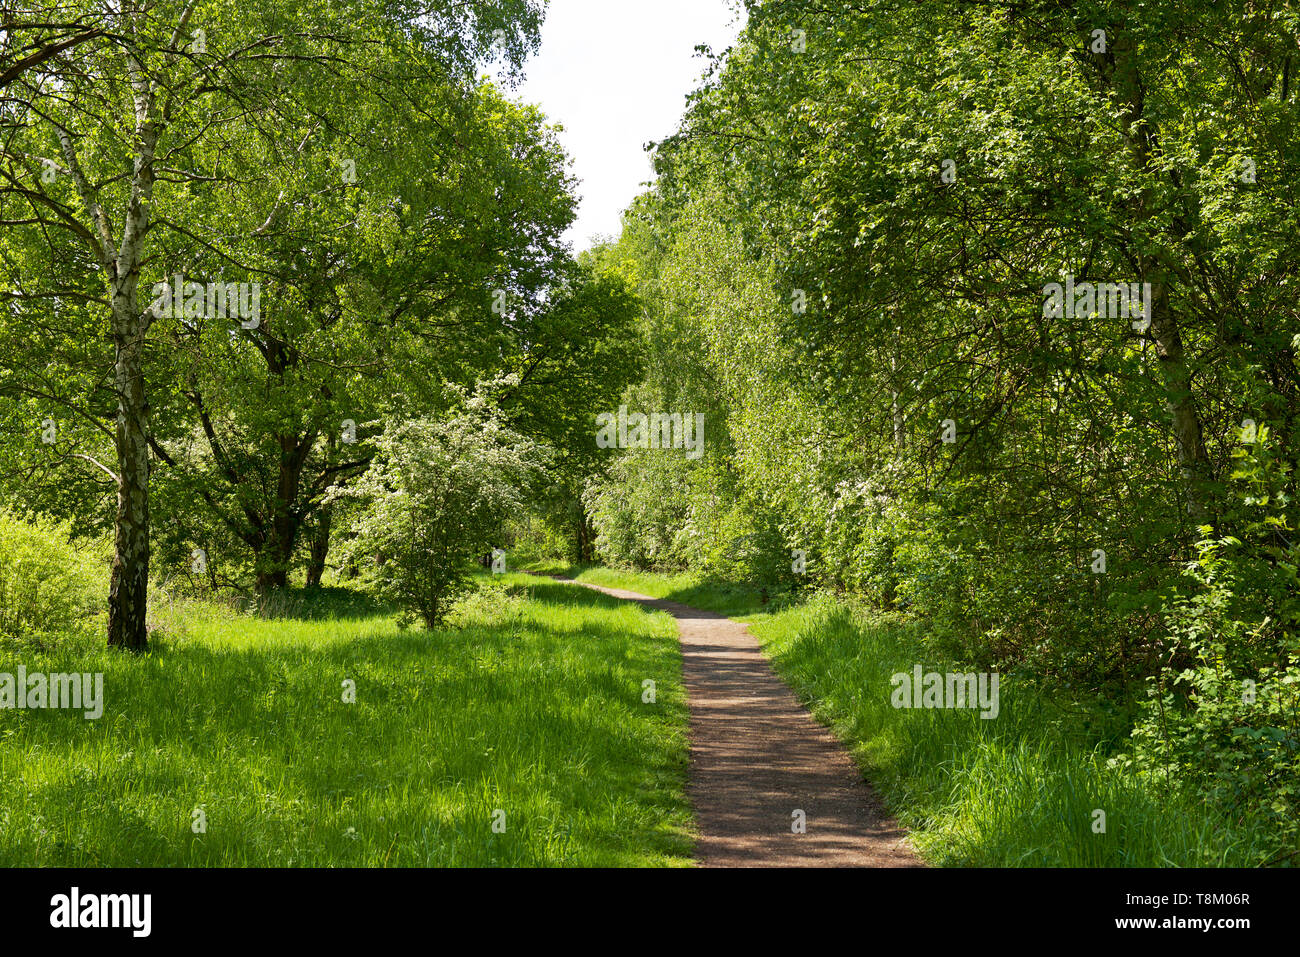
x=1018 y=790
x=531 y=704
x=687 y=588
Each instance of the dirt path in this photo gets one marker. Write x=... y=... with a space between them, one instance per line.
x=757 y=756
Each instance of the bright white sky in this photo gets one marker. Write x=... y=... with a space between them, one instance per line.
x=615 y=74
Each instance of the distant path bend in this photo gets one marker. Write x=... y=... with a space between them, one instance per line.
x=757 y=756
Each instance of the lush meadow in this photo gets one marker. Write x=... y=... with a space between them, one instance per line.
x=529 y=701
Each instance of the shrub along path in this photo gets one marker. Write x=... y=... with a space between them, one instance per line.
x=758 y=757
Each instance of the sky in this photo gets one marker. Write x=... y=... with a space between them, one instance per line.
x=615 y=74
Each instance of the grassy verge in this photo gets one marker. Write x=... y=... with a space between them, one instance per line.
x=531 y=703
x=1018 y=790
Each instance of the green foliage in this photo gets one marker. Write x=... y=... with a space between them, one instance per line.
x=1223 y=716
x=582 y=352
x=836 y=302
x=294 y=173
x=743 y=545
x=47 y=583
x=437 y=497
x=845 y=257
x=538 y=538
x=639 y=513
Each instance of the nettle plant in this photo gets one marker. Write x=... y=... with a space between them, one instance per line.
x=436 y=497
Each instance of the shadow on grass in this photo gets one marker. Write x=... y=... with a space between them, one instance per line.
x=726 y=598
x=563 y=593
x=317 y=604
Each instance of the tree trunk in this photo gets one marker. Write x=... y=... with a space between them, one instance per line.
x=320 y=546
x=584 y=538
x=1193 y=460
x=273 y=566
x=128 y=593
x=276 y=554
x=1141 y=136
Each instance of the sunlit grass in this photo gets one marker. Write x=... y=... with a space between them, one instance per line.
x=531 y=705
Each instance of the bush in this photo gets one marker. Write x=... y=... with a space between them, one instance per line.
x=540 y=538
x=436 y=498
x=1216 y=729
x=746 y=547
x=47 y=585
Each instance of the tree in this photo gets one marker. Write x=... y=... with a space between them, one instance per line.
x=33 y=42
x=436 y=497
x=378 y=283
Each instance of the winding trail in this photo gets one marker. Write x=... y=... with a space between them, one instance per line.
x=757 y=756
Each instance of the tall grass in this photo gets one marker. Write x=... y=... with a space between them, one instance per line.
x=530 y=704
